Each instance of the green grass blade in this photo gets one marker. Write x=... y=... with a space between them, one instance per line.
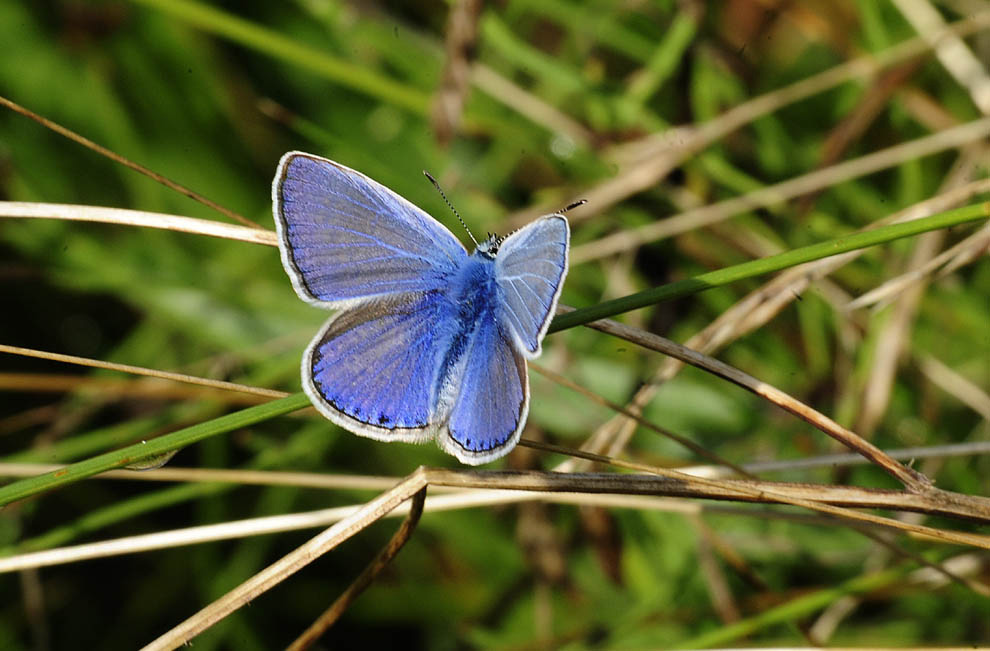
x=795 y=609
x=665 y=58
x=261 y=39
x=770 y=264
x=156 y=447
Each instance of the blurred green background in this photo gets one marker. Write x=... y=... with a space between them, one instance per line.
x=211 y=94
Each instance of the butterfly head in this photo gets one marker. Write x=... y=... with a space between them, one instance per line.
x=489 y=247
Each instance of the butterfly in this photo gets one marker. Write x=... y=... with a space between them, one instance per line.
x=429 y=341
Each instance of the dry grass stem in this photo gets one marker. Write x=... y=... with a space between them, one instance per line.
x=236 y=529
x=527 y=104
x=892 y=341
x=964 y=252
x=121 y=387
x=848 y=459
x=253 y=234
x=757 y=308
x=330 y=616
x=894 y=333
x=327 y=481
x=670 y=496
x=719 y=593
x=140 y=370
x=644 y=163
x=882 y=539
x=103 y=151
x=689 y=444
x=805 y=495
x=812 y=181
x=956 y=385
x=910 y=478
x=289 y=564
x=455 y=82
x=951 y=51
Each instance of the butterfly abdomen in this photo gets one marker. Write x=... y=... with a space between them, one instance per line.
x=473 y=296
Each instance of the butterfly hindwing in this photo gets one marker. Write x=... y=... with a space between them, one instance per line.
x=345 y=238
x=375 y=369
x=491 y=406
x=530 y=267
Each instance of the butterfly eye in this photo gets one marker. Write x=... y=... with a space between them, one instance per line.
x=489 y=247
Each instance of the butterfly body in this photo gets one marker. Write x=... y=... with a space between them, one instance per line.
x=474 y=293
x=430 y=341
x=477 y=298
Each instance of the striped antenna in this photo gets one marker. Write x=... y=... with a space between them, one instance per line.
x=449 y=205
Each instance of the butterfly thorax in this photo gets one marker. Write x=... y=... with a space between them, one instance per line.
x=474 y=291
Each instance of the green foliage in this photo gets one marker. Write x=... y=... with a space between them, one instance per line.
x=210 y=95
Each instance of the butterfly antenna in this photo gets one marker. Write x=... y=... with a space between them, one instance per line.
x=572 y=206
x=450 y=205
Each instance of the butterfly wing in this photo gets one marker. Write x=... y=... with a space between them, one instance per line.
x=377 y=369
x=530 y=267
x=345 y=238
x=491 y=407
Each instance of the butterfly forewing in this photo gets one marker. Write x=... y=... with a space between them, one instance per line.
x=530 y=268
x=345 y=238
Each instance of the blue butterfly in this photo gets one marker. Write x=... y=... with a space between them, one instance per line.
x=430 y=342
